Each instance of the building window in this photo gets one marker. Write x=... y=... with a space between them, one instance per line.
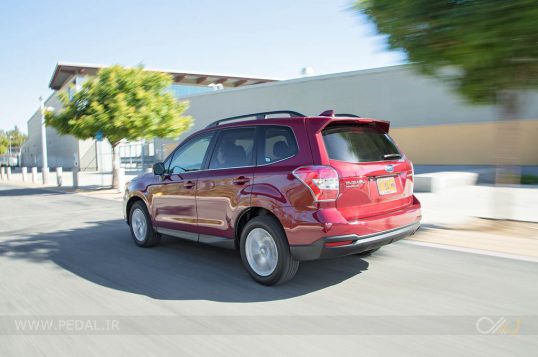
x=181 y=90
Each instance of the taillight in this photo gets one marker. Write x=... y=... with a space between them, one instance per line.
x=412 y=176
x=322 y=181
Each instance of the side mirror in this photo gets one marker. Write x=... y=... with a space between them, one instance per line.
x=158 y=169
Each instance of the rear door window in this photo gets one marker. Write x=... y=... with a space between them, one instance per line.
x=234 y=148
x=358 y=143
x=278 y=143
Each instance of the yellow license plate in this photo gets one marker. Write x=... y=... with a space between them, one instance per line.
x=386 y=185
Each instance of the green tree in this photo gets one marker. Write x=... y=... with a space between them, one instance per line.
x=14 y=137
x=18 y=138
x=4 y=142
x=122 y=103
x=488 y=46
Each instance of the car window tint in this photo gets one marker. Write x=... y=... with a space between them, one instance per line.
x=234 y=148
x=357 y=143
x=279 y=144
x=190 y=156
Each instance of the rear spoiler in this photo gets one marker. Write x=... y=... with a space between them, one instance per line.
x=320 y=122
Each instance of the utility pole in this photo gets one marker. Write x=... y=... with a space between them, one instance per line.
x=45 y=167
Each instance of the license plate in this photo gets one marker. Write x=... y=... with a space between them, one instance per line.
x=386 y=185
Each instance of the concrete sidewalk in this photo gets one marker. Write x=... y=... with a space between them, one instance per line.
x=451 y=208
x=86 y=179
x=91 y=191
x=511 y=239
x=457 y=207
x=492 y=220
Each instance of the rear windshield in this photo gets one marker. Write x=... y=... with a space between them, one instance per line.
x=358 y=143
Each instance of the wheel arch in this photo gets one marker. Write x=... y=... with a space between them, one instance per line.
x=129 y=204
x=246 y=216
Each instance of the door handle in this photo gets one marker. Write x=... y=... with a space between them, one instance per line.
x=189 y=184
x=241 y=180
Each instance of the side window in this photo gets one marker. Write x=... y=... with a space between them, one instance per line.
x=279 y=143
x=190 y=156
x=234 y=148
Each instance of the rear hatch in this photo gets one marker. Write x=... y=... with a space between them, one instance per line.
x=375 y=177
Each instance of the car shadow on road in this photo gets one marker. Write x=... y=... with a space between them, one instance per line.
x=103 y=253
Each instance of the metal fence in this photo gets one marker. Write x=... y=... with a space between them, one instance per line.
x=9 y=160
x=133 y=157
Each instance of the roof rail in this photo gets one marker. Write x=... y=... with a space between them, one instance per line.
x=260 y=115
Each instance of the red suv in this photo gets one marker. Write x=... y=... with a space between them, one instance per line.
x=281 y=187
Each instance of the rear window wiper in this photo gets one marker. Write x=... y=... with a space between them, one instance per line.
x=392 y=156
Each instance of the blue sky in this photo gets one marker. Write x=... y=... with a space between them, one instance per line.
x=252 y=38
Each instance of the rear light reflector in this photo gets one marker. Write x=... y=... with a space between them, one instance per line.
x=322 y=181
x=338 y=244
x=412 y=176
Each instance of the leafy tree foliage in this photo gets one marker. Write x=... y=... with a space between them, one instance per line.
x=492 y=44
x=122 y=103
x=17 y=139
x=488 y=49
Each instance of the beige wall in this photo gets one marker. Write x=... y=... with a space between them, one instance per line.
x=460 y=144
x=168 y=148
x=466 y=144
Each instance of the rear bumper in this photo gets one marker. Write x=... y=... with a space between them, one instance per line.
x=325 y=233
x=358 y=244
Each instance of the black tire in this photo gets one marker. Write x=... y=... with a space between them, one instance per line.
x=368 y=252
x=151 y=238
x=286 y=266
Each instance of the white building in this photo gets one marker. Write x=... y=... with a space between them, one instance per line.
x=431 y=123
x=91 y=155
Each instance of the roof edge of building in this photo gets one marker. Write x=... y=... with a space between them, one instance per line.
x=72 y=68
x=367 y=71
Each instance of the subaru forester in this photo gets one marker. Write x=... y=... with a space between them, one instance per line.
x=280 y=187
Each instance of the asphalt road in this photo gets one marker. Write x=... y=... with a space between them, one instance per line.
x=69 y=259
